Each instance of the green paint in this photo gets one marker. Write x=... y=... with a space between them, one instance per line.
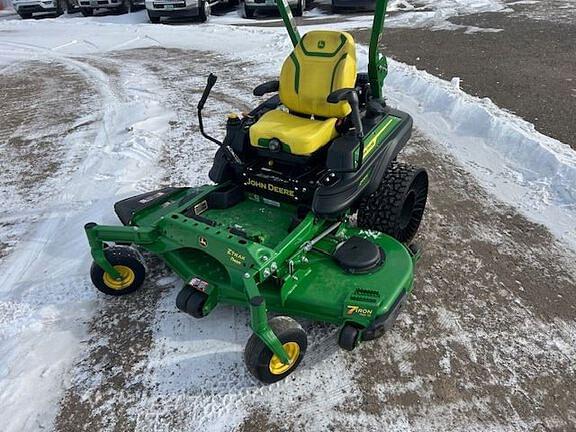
x=377 y=64
x=335 y=70
x=296 y=72
x=308 y=284
x=288 y=19
x=321 y=54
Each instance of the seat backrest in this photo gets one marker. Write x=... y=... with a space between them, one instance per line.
x=323 y=61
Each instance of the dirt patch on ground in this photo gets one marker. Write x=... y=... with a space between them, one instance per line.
x=485 y=338
x=42 y=105
x=43 y=100
x=527 y=68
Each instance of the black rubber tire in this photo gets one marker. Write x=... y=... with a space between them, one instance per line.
x=299 y=9
x=71 y=7
x=348 y=337
x=154 y=19
x=60 y=7
x=335 y=9
x=396 y=208
x=119 y=255
x=246 y=11
x=87 y=12
x=24 y=15
x=125 y=7
x=191 y=301
x=257 y=355
x=204 y=11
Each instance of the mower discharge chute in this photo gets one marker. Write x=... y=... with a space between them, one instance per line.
x=274 y=233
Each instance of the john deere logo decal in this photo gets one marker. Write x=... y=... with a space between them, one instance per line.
x=358 y=310
x=203 y=242
x=321 y=44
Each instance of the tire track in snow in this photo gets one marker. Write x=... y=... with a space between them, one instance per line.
x=47 y=272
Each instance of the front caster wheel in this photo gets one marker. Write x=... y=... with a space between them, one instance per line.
x=263 y=363
x=128 y=263
x=349 y=337
x=191 y=301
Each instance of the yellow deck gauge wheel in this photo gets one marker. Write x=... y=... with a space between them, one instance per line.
x=127 y=279
x=277 y=367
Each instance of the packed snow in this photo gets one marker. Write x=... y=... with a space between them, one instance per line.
x=39 y=332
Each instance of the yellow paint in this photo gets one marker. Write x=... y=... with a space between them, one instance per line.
x=127 y=279
x=315 y=80
x=277 y=367
x=304 y=136
x=369 y=147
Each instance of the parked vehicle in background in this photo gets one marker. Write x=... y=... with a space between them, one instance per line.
x=248 y=7
x=351 y=5
x=87 y=7
x=178 y=9
x=26 y=8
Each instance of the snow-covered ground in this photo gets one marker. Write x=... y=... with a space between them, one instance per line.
x=118 y=145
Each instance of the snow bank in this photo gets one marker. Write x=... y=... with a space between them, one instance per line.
x=523 y=168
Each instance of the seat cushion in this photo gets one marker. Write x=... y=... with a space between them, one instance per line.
x=299 y=136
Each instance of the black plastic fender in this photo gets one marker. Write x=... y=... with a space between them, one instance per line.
x=332 y=200
x=126 y=208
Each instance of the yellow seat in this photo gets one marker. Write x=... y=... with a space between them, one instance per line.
x=303 y=136
x=322 y=62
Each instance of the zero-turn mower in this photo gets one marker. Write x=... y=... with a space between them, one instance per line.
x=276 y=232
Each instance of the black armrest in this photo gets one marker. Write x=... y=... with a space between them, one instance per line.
x=267 y=87
x=351 y=96
x=340 y=95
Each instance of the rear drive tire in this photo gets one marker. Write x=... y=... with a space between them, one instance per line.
x=263 y=364
x=129 y=263
x=71 y=7
x=125 y=7
x=349 y=337
x=299 y=9
x=245 y=11
x=87 y=12
x=60 y=7
x=153 y=19
x=204 y=12
x=396 y=208
x=191 y=301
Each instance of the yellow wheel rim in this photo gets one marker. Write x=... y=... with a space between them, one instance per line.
x=277 y=367
x=127 y=279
